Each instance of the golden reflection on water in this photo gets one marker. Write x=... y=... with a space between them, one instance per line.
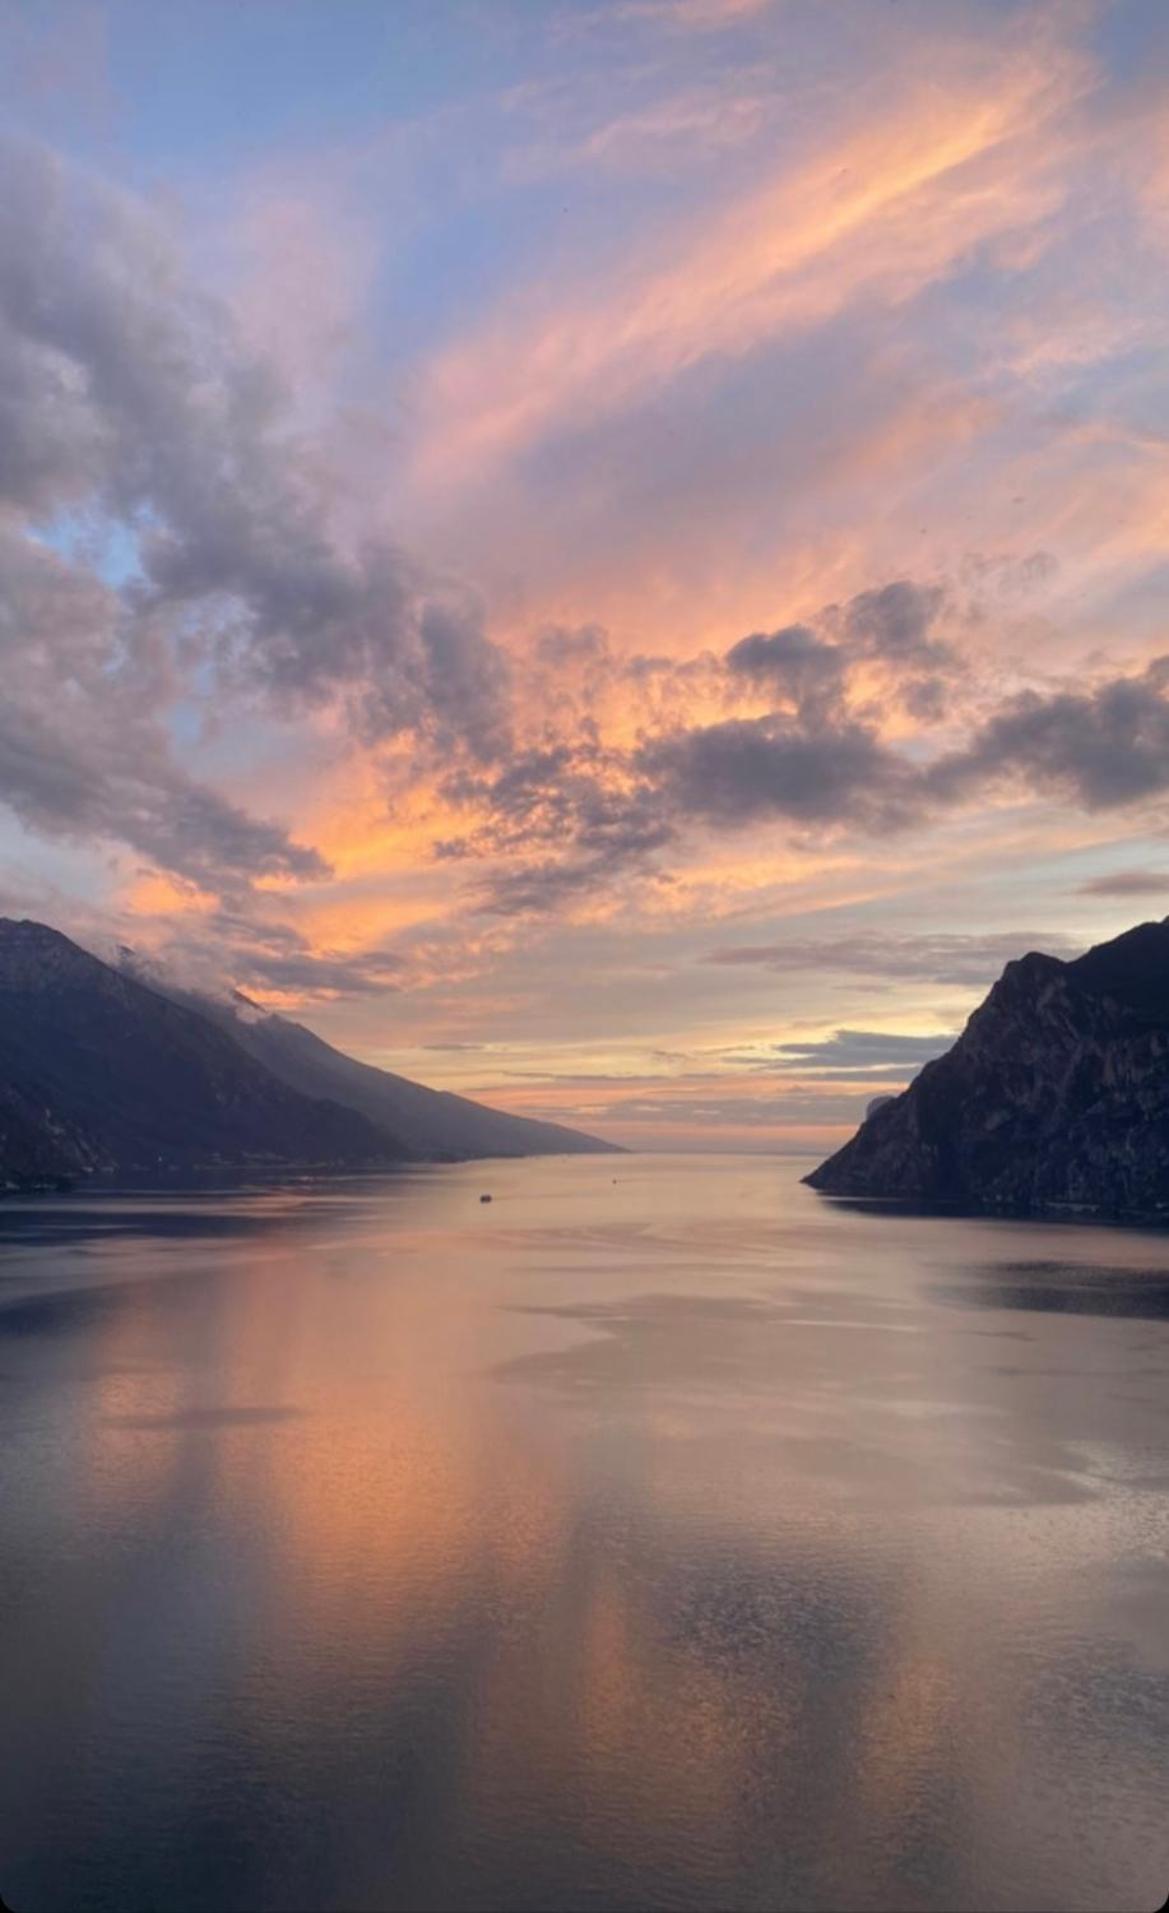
x=649 y=1556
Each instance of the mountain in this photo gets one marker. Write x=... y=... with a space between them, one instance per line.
x=439 y=1125
x=1054 y=1098
x=103 y=1071
x=100 y=1072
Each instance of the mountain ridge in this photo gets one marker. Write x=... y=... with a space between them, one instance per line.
x=1054 y=1099
x=440 y=1124
x=103 y=1071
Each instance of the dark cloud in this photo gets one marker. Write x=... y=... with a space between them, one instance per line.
x=926 y=699
x=1102 y=748
x=310 y=973
x=860 y=1051
x=577 y=805
x=895 y=623
x=748 y=769
x=595 y=813
x=233 y=951
x=580 y=815
x=541 y=885
x=460 y=689
x=792 y=664
x=82 y=751
x=809 y=664
x=585 y=644
x=1127 y=883
x=973 y=961
x=127 y=400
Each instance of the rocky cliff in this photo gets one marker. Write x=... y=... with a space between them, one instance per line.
x=1055 y=1098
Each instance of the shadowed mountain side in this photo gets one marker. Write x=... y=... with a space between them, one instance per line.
x=100 y=1072
x=440 y=1126
x=1054 y=1098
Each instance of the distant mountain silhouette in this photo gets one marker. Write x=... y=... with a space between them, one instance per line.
x=438 y=1124
x=1054 y=1098
x=100 y=1071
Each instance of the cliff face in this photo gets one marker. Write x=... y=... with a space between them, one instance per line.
x=1055 y=1096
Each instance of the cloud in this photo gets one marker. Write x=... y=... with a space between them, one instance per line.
x=809 y=664
x=133 y=418
x=852 y=1052
x=228 y=951
x=867 y=214
x=561 y=646
x=581 y=814
x=792 y=664
x=571 y=814
x=665 y=133
x=83 y=752
x=126 y=392
x=542 y=886
x=1127 y=883
x=748 y=769
x=577 y=804
x=895 y=623
x=707 y=1110
x=970 y=960
x=129 y=398
x=1101 y=748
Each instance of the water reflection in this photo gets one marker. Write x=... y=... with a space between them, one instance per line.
x=679 y=1543
x=1064 y=1288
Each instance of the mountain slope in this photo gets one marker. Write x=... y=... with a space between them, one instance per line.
x=1055 y=1096
x=101 y=1072
x=439 y=1125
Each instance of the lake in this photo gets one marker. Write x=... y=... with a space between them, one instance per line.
x=658 y=1535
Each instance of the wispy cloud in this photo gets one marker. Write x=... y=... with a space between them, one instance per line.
x=882 y=211
x=960 y=959
x=1128 y=883
x=849 y=1052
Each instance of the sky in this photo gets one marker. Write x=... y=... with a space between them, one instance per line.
x=604 y=554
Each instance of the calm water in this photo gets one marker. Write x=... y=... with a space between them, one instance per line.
x=673 y=1541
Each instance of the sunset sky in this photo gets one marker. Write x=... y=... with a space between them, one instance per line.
x=610 y=554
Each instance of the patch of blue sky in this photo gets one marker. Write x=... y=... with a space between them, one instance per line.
x=187 y=718
x=469 y=261
x=37 y=872
x=107 y=546
x=1133 y=39
x=1132 y=390
x=195 y=78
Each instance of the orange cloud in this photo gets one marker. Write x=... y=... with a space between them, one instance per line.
x=884 y=210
